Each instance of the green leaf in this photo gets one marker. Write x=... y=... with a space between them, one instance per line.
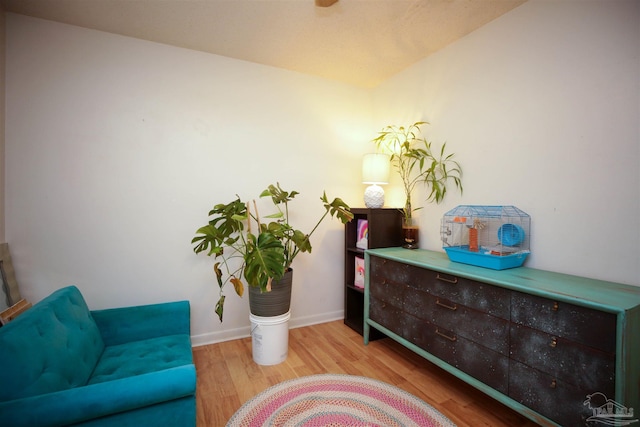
x=339 y=209
x=227 y=221
x=275 y=215
x=220 y=307
x=301 y=240
x=264 y=259
x=278 y=195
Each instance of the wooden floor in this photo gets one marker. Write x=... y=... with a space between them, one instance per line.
x=227 y=375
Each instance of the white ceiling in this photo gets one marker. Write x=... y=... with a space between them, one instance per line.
x=360 y=42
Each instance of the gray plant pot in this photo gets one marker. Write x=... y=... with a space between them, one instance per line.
x=274 y=303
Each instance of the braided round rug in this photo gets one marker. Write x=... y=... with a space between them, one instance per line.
x=337 y=401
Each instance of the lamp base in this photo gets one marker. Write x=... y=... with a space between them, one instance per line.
x=374 y=197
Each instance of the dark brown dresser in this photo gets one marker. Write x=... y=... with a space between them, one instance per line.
x=559 y=349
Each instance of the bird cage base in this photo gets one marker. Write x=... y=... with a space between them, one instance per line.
x=495 y=262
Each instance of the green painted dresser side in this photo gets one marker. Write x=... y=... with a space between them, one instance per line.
x=620 y=299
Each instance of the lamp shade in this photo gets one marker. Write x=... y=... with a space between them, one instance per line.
x=375 y=168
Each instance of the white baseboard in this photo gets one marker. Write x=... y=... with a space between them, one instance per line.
x=234 y=334
x=301 y=321
x=216 y=337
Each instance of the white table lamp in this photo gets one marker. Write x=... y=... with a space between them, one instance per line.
x=375 y=171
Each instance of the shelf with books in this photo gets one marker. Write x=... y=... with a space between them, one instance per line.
x=370 y=228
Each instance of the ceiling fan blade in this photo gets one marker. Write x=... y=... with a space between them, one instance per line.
x=325 y=3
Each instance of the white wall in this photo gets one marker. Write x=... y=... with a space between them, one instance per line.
x=542 y=108
x=117 y=148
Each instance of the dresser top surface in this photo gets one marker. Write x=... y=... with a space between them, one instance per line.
x=605 y=295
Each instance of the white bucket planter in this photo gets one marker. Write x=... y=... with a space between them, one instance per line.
x=270 y=338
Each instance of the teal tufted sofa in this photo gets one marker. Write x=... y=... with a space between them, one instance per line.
x=61 y=364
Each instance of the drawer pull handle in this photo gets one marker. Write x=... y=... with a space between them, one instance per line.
x=555 y=306
x=446 y=279
x=554 y=342
x=450 y=307
x=453 y=338
x=554 y=383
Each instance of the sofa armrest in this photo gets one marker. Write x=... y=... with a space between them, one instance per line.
x=127 y=324
x=81 y=404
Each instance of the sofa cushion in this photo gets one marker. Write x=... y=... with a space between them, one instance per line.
x=102 y=400
x=53 y=346
x=142 y=357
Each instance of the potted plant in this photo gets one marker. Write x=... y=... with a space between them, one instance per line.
x=417 y=162
x=246 y=248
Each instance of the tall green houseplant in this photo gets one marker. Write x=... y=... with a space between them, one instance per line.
x=246 y=248
x=417 y=162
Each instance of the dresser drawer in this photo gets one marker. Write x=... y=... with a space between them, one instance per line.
x=387 y=315
x=481 y=363
x=588 y=369
x=419 y=332
x=587 y=326
x=489 y=331
x=479 y=296
x=390 y=292
x=384 y=270
x=547 y=395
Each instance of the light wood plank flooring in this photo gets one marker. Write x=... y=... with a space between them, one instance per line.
x=227 y=375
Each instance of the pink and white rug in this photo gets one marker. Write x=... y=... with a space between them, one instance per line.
x=336 y=401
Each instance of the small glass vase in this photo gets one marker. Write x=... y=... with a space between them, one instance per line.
x=410 y=233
